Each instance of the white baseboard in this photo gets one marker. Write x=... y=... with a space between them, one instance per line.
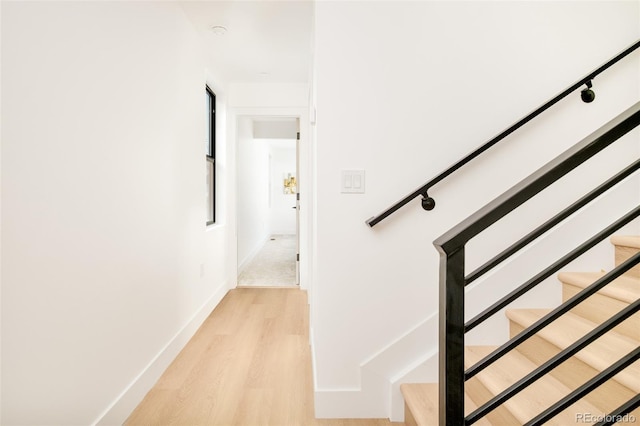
x=414 y=344
x=347 y=403
x=371 y=400
x=381 y=374
x=132 y=395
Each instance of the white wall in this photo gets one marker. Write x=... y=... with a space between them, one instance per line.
x=253 y=192
x=403 y=90
x=0 y=211
x=107 y=265
x=268 y=95
x=282 y=217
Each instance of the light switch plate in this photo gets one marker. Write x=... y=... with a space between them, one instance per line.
x=352 y=182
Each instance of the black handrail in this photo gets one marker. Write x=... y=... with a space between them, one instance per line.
x=428 y=203
x=452 y=244
x=542 y=178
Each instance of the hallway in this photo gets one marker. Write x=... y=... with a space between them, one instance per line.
x=248 y=365
x=274 y=265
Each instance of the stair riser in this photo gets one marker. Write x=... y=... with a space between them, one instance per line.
x=573 y=372
x=599 y=308
x=623 y=253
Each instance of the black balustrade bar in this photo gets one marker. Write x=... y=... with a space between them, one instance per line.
x=423 y=190
x=621 y=411
x=526 y=189
x=553 y=362
x=552 y=269
x=552 y=316
x=524 y=241
x=585 y=388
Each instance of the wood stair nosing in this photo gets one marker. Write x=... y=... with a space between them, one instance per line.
x=605 y=303
x=625 y=247
x=573 y=372
x=625 y=289
x=598 y=309
x=632 y=241
x=599 y=355
x=532 y=400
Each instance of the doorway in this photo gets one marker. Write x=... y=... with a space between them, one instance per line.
x=267 y=201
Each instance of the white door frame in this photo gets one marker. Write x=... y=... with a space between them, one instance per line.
x=304 y=152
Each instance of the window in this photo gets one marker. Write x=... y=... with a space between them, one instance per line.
x=211 y=157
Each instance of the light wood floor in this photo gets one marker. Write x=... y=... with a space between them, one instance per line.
x=249 y=364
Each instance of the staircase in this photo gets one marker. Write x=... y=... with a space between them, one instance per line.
x=421 y=400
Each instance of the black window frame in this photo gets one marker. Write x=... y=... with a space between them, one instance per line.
x=211 y=151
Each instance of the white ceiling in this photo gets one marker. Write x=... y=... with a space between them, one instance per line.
x=266 y=41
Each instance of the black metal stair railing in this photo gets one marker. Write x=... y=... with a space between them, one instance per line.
x=552 y=363
x=452 y=244
x=587 y=387
x=553 y=315
x=550 y=270
x=428 y=203
x=531 y=236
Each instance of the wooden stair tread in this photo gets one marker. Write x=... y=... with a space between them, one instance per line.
x=600 y=354
x=624 y=288
x=422 y=400
x=626 y=241
x=532 y=400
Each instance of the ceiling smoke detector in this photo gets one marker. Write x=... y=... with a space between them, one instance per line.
x=219 y=30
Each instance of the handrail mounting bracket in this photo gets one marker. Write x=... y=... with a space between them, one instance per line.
x=428 y=203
